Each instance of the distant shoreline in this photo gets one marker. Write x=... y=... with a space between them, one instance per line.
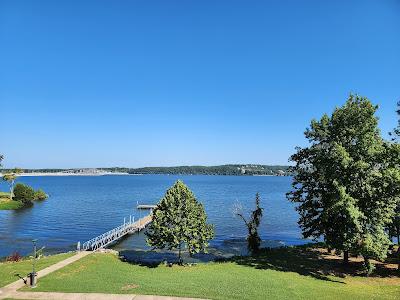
x=127 y=174
x=223 y=170
x=71 y=174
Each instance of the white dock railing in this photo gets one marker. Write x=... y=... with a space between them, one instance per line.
x=115 y=234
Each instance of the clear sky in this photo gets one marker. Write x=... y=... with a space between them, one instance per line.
x=146 y=83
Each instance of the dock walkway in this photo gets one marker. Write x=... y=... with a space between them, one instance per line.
x=115 y=234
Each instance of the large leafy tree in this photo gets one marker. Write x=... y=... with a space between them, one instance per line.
x=10 y=178
x=180 y=222
x=394 y=228
x=396 y=131
x=345 y=183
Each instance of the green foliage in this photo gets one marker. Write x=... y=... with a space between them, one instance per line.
x=180 y=222
x=7 y=204
x=396 y=131
x=23 y=193
x=215 y=170
x=369 y=267
x=10 y=177
x=346 y=182
x=253 y=238
x=40 y=195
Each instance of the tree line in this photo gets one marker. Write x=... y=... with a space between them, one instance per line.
x=236 y=170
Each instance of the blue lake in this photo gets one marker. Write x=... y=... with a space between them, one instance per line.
x=82 y=207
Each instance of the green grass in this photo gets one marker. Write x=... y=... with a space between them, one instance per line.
x=283 y=274
x=7 y=204
x=9 y=270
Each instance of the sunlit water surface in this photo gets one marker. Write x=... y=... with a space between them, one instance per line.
x=82 y=207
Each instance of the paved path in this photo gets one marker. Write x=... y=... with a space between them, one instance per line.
x=10 y=291
x=13 y=287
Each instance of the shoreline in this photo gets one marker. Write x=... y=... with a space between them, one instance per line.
x=60 y=174
x=70 y=174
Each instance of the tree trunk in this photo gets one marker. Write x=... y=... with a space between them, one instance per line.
x=11 y=191
x=398 y=257
x=180 y=255
x=367 y=265
x=346 y=257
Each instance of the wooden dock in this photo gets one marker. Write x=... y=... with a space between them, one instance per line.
x=115 y=234
x=146 y=206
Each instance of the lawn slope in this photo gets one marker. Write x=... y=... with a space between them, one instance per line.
x=274 y=275
x=9 y=270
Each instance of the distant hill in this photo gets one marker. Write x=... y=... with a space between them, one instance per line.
x=238 y=170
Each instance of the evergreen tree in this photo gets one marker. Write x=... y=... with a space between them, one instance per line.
x=345 y=183
x=180 y=222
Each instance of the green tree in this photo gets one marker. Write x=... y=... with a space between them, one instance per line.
x=10 y=178
x=252 y=224
x=345 y=183
x=180 y=222
x=394 y=228
x=24 y=193
x=40 y=195
x=396 y=131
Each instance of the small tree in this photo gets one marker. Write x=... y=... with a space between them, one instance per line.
x=180 y=222
x=10 y=178
x=40 y=195
x=24 y=193
x=252 y=224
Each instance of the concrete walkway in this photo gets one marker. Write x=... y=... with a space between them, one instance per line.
x=10 y=291
x=12 y=288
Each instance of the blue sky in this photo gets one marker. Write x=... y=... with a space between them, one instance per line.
x=146 y=83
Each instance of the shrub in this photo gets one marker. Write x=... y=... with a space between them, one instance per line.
x=23 y=193
x=40 y=195
x=369 y=267
x=14 y=257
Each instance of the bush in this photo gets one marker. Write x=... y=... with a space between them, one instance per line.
x=23 y=193
x=369 y=267
x=40 y=195
x=14 y=257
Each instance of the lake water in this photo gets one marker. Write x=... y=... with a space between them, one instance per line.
x=82 y=207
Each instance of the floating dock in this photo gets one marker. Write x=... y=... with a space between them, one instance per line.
x=146 y=206
x=115 y=234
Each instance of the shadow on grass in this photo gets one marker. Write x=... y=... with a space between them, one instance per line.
x=291 y=259
x=308 y=260
x=153 y=259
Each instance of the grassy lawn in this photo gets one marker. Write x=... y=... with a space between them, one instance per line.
x=277 y=274
x=8 y=270
x=6 y=204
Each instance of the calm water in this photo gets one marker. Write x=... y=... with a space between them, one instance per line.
x=80 y=208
